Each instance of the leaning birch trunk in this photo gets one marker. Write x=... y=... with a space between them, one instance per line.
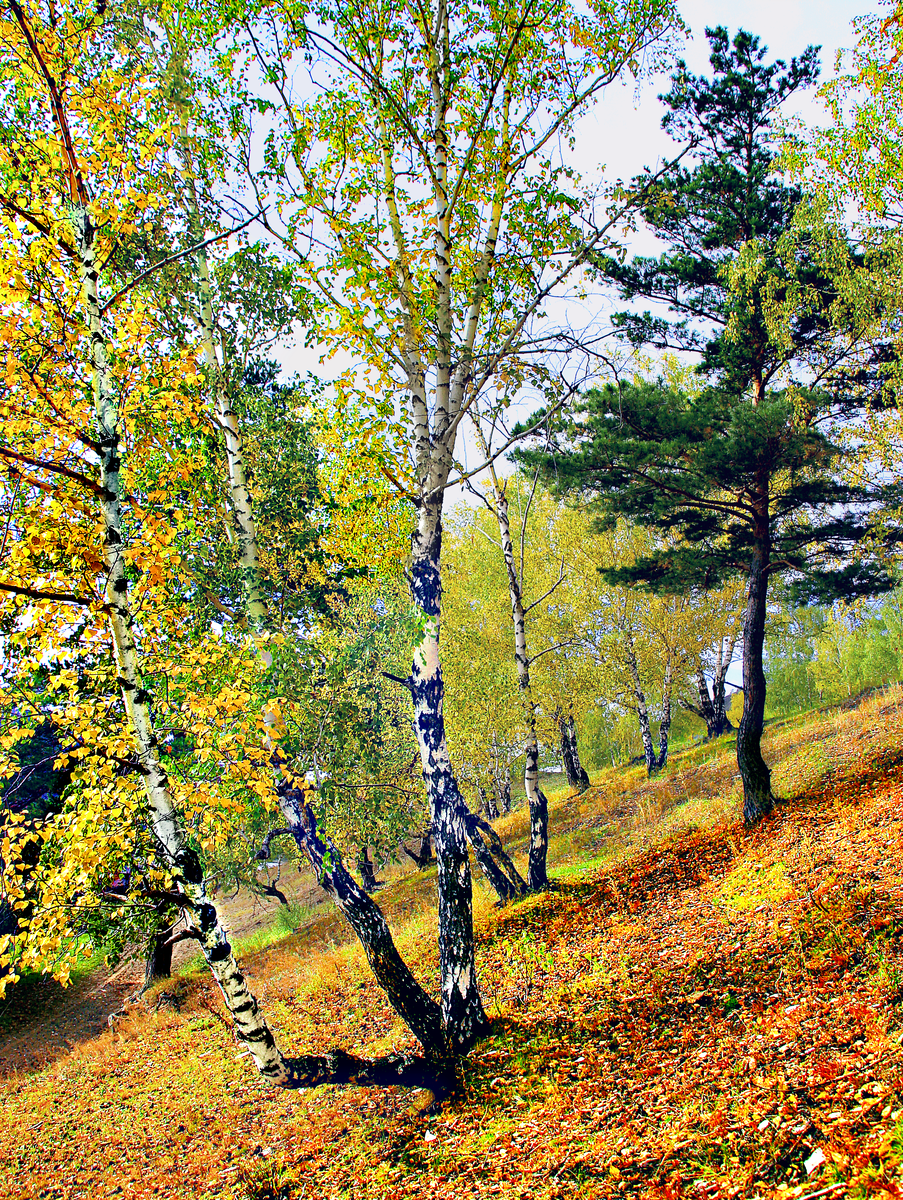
x=639 y=696
x=364 y=916
x=420 y=1012
x=482 y=834
x=570 y=755
x=416 y=1008
x=580 y=772
x=181 y=859
x=537 y=875
x=406 y=996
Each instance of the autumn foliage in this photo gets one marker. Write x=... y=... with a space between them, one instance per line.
x=711 y=1012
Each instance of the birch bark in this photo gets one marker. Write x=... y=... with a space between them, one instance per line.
x=226 y=419
x=639 y=696
x=719 y=680
x=182 y=861
x=462 y=1008
x=664 y=728
x=757 y=795
x=570 y=754
x=537 y=876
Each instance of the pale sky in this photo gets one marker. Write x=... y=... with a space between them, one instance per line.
x=626 y=135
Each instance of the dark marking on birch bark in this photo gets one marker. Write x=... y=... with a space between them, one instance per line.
x=462 y=1008
x=664 y=728
x=418 y=1010
x=537 y=873
x=570 y=754
x=642 y=712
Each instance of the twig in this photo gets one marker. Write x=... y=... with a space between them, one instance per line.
x=405 y=683
x=835 y=1187
x=175 y=258
x=12 y=507
x=545 y=595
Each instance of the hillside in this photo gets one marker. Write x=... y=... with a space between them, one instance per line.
x=691 y=1011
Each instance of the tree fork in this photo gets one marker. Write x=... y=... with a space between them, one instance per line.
x=417 y=1009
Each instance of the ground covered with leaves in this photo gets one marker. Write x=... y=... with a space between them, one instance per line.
x=692 y=1010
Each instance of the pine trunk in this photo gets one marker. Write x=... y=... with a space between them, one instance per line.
x=462 y=1008
x=757 y=795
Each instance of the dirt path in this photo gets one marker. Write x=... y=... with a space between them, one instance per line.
x=40 y=1021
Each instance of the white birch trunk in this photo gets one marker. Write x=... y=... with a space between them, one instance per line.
x=362 y=913
x=462 y=1008
x=227 y=420
x=664 y=728
x=639 y=696
x=539 y=808
x=181 y=860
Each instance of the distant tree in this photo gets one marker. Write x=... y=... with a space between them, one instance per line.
x=745 y=473
x=723 y=609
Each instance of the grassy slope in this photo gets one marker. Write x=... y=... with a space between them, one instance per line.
x=694 y=1010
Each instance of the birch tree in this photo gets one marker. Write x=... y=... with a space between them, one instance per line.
x=496 y=500
x=66 y=205
x=431 y=165
x=72 y=217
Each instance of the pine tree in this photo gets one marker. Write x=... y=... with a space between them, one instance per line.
x=746 y=468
